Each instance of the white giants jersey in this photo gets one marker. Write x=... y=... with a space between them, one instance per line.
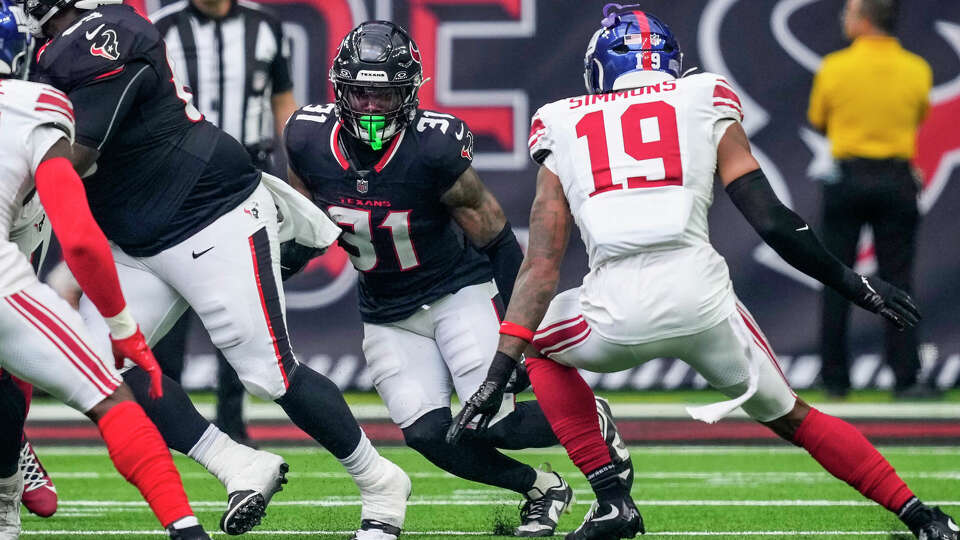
x=637 y=168
x=32 y=118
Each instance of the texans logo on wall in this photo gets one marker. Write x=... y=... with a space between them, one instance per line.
x=494 y=62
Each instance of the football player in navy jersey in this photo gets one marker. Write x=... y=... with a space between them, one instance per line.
x=193 y=224
x=437 y=261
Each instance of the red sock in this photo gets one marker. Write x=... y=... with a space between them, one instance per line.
x=845 y=453
x=141 y=456
x=571 y=408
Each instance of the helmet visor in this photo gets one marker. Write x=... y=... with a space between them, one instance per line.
x=373 y=100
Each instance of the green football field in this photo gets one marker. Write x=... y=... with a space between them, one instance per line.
x=682 y=492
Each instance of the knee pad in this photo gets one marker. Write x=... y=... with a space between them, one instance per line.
x=427 y=434
x=256 y=387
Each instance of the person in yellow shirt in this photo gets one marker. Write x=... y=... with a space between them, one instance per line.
x=869 y=99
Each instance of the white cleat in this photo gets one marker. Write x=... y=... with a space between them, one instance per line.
x=250 y=489
x=11 y=489
x=384 y=500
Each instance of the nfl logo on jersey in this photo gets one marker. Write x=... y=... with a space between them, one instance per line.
x=363 y=185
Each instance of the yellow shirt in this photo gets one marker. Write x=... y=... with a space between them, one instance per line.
x=870 y=98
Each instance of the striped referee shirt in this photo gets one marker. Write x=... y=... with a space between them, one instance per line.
x=233 y=65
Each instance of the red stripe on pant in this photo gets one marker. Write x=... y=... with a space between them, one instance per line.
x=72 y=332
x=762 y=343
x=270 y=302
x=89 y=368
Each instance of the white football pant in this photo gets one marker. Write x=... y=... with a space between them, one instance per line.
x=448 y=345
x=44 y=342
x=722 y=354
x=229 y=273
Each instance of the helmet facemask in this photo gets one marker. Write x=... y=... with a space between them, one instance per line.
x=375 y=114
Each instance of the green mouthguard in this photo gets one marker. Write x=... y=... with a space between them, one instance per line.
x=374 y=125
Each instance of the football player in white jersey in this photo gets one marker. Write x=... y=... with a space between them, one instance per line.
x=42 y=340
x=632 y=164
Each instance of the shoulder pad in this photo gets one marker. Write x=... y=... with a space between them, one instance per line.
x=38 y=105
x=303 y=125
x=96 y=47
x=443 y=137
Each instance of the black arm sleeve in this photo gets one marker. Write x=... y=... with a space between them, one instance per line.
x=789 y=235
x=103 y=104
x=506 y=256
x=280 y=67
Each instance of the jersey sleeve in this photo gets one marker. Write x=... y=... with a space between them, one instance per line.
x=105 y=105
x=280 y=66
x=726 y=107
x=540 y=142
x=301 y=131
x=94 y=49
x=448 y=146
x=53 y=119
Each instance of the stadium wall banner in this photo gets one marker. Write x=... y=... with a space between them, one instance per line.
x=494 y=62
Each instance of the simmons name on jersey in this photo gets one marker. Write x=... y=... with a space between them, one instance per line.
x=399 y=234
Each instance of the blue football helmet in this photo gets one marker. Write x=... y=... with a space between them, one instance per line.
x=15 y=41
x=630 y=40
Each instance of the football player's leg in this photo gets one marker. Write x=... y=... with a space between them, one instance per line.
x=838 y=446
x=156 y=307
x=467 y=326
x=54 y=351
x=12 y=416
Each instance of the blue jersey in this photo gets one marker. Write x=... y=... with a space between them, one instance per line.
x=403 y=241
x=164 y=173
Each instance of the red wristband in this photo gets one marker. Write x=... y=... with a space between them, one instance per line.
x=508 y=328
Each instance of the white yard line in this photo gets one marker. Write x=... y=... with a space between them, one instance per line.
x=72 y=451
x=479 y=501
x=779 y=534
x=378 y=412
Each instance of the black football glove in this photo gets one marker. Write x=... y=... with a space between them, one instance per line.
x=878 y=296
x=519 y=381
x=486 y=401
x=294 y=257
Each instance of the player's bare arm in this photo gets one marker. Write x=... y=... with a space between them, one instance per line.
x=550 y=223
x=480 y=216
x=793 y=239
x=474 y=208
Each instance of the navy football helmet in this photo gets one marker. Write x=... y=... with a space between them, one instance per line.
x=629 y=41
x=15 y=41
x=376 y=76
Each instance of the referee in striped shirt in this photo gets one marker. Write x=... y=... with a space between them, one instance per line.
x=233 y=56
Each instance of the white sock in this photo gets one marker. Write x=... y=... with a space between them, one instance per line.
x=362 y=460
x=183 y=523
x=219 y=454
x=543 y=483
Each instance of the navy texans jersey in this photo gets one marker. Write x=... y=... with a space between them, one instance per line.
x=163 y=173
x=408 y=249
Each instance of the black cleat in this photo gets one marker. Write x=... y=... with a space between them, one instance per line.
x=940 y=527
x=619 y=454
x=188 y=533
x=539 y=516
x=610 y=521
x=246 y=509
x=371 y=529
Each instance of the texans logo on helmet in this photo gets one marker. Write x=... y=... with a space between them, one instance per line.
x=107 y=45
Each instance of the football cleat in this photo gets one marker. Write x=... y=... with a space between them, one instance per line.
x=264 y=476
x=371 y=529
x=10 y=490
x=188 y=533
x=384 y=499
x=541 y=511
x=940 y=527
x=619 y=454
x=610 y=521
x=39 y=493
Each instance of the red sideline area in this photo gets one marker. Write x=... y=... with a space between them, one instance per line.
x=634 y=431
